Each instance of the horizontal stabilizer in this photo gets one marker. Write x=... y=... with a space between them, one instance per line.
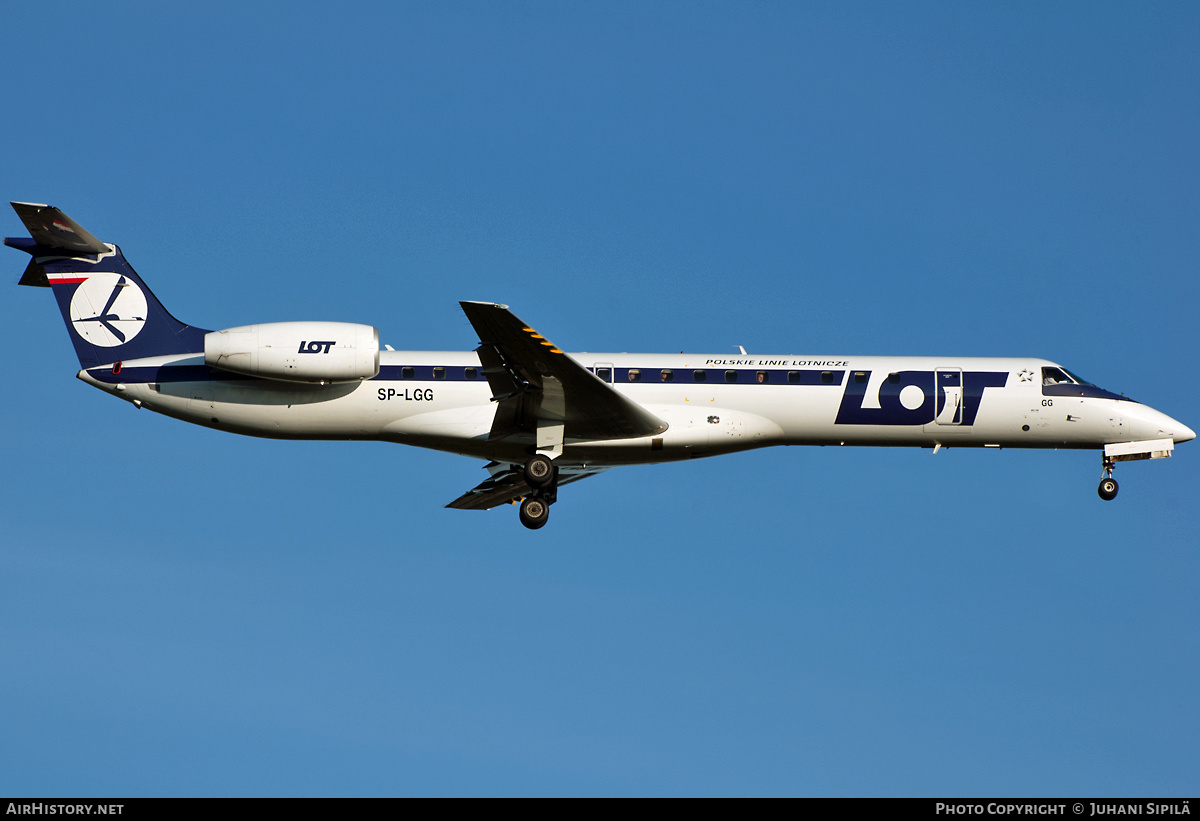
x=54 y=229
x=34 y=275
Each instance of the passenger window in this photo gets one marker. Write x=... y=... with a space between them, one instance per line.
x=699 y=376
x=762 y=376
x=668 y=375
x=604 y=373
x=439 y=373
x=794 y=377
x=635 y=375
x=826 y=377
x=407 y=372
x=860 y=377
x=730 y=376
x=893 y=379
x=470 y=373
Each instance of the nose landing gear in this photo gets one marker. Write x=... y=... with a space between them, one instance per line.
x=541 y=475
x=1130 y=452
x=1108 y=485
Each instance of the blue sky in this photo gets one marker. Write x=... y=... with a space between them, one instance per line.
x=184 y=612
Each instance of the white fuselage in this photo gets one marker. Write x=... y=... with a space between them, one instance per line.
x=431 y=399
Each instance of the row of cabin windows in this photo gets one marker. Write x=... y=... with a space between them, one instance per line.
x=668 y=375
x=438 y=373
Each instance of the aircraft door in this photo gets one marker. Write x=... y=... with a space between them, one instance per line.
x=949 y=396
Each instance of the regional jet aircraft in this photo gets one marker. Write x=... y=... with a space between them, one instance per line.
x=544 y=418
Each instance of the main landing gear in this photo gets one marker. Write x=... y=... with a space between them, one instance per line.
x=542 y=476
x=1108 y=485
x=534 y=513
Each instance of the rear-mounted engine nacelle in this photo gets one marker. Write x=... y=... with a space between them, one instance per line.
x=296 y=351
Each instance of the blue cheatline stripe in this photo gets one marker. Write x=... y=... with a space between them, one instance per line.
x=460 y=373
x=722 y=376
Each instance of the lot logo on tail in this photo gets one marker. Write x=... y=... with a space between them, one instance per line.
x=108 y=309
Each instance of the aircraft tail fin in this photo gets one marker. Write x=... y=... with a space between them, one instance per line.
x=110 y=314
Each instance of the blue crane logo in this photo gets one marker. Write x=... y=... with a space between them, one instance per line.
x=108 y=309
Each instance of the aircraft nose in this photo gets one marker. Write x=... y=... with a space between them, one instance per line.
x=1144 y=422
x=1167 y=426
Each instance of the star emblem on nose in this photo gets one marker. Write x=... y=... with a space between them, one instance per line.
x=1026 y=376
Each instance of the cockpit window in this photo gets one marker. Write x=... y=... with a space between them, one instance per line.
x=1061 y=382
x=1078 y=379
x=1055 y=376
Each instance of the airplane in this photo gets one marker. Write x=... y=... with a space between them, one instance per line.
x=543 y=418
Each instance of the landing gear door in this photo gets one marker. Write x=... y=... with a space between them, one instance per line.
x=949 y=396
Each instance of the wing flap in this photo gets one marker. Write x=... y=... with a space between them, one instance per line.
x=509 y=485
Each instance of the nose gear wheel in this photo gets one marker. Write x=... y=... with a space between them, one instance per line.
x=1108 y=485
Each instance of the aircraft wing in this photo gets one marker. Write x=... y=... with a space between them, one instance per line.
x=509 y=485
x=535 y=384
